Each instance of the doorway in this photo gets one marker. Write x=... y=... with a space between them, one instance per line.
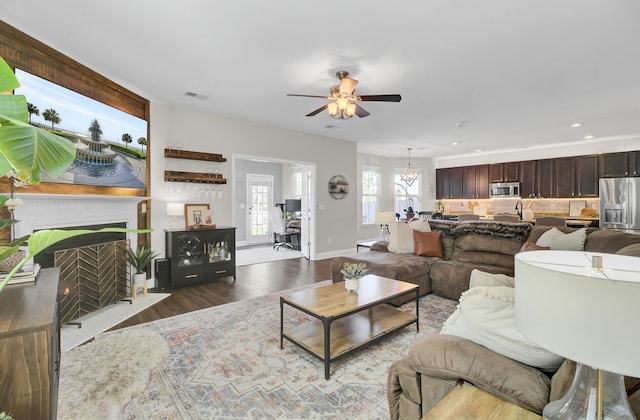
x=259 y=200
x=282 y=189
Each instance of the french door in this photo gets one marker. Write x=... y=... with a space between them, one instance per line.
x=260 y=199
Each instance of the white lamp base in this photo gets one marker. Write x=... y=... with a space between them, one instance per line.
x=594 y=395
x=384 y=233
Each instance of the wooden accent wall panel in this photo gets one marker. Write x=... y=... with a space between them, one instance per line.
x=91 y=277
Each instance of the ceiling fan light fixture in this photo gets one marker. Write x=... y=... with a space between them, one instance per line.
x=332 y=107
x=347 y=86
x=409 y=174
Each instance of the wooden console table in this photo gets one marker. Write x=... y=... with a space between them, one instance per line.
x=469 y=402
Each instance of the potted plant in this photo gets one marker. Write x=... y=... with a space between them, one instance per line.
x=352 y=273
x=139 y=260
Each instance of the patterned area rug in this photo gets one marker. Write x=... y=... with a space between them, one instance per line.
x=225 y=362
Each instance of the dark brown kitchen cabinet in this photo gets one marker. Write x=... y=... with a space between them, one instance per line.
x=504 y=172
x=544 y=178
x=442 y=183
x=576 y=176
x=449 y=182
x=528 y=187
x=619 y=164
x=587 y=176
x=475 y=181
x=536 y=178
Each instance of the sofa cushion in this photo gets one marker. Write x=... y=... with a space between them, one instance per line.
x=450 y=278
x=609 y=241
x=427 y=244
x=486 y=316
x=632 y=250
x=480 y=278
x=401 y=236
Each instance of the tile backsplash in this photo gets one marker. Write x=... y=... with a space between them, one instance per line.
x=546 y=206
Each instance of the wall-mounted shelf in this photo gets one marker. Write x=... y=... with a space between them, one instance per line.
x=187 y=154
x=201 y=178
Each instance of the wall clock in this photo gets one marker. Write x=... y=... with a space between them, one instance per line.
x=338 y=187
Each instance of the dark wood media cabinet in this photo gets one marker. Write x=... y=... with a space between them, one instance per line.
x=201 y=256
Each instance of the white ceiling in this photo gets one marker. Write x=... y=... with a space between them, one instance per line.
x=495 y=75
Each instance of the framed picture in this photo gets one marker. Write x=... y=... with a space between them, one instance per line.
x=575 y=207
x=196 y=215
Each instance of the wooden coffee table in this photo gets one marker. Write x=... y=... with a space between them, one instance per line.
x=346 y=321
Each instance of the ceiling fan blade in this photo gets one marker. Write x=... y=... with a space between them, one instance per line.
x=317 y=111
x=306 y=96
x=361 y=112
x=383 y=98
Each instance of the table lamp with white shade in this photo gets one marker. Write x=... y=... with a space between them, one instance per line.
x=176 y=212
x=384 y=219
x=586 y=307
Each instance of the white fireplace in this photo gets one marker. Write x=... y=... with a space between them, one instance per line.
x=55 y=211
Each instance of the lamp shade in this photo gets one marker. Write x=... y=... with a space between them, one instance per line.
x=570 y=306
x=385 y=217
x=175 y=209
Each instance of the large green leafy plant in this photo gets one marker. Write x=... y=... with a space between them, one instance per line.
x=25 y=152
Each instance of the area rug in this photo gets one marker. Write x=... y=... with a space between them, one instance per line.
x=108 y=372
x=262 y=254
x=226 y=363
x=104 y=318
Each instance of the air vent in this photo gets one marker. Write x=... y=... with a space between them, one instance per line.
x=332 y=127
x=197 y=95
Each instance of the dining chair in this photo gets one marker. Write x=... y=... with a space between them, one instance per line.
x=550 y=221
x=506 y=218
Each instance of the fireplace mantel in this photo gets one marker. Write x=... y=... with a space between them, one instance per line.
x=56 y=211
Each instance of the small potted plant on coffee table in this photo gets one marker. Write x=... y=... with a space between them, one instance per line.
x=352 y=273
x=139 y=260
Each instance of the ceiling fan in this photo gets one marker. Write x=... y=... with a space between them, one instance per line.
x=344 y=104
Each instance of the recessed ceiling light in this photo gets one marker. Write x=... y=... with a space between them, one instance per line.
x=576 y=125
x=478 y=150
x=455 y=143
x=588 y=136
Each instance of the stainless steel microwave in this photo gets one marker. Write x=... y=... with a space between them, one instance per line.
x=504 y=189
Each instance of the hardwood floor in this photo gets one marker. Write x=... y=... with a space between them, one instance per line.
x=251 y=281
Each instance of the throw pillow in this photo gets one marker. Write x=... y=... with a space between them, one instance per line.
x=401 y=236
x=427 y=244
x=546 y=238
x=556 y=239
x=573 y=241
x=531 y=246
x=486 y=316
x=481 y=278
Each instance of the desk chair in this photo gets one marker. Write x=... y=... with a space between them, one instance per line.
x=465 y=217
x=506 y=218
x=281 y=234
x=551 y=221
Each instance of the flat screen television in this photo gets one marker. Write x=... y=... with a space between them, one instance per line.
x=292 y=206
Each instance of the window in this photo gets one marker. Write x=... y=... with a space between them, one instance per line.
x=370 y=192
x=296 y=182
x=405 y=196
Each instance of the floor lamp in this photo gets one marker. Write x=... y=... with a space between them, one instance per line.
x=384 y=219
x=583 y=306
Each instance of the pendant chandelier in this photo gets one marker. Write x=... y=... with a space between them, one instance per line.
x=409 y=174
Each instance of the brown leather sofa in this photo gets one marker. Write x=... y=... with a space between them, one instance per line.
x=436 y=363
x=485 y=245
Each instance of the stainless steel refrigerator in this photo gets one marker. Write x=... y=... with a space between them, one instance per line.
x=620 y=203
